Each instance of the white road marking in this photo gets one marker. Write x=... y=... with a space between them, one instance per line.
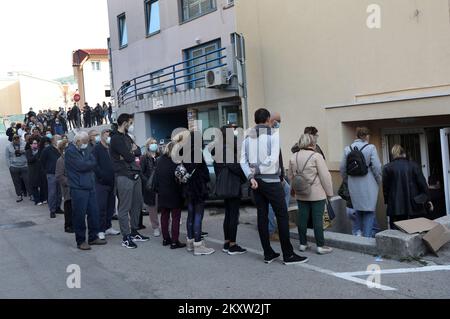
x=397 y=271
x=345 y=276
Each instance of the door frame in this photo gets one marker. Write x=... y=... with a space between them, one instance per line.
x=423 y=145
x=445 y=135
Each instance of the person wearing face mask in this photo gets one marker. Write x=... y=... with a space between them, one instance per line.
x=129 y=185
x=94 y=139
x=58 y=127
x=80 y=165
x=104 y=184
x=17 y=165
x=34 y=171
x=49 y=157
x=148 y=167
x=61 y=177
x=275 y=122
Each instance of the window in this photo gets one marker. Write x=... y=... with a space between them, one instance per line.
x=152 y=16
x=199 y=57
x=95 y=65
x=192 y=9
x=107 y=93
x=123 y=32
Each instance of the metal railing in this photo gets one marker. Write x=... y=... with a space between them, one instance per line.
x=174 y=78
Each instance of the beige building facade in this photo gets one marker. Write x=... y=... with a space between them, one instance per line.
x=341 y=64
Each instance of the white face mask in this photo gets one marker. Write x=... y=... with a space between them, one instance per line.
x=131 y=129
x=84 y=146
x=108 y=140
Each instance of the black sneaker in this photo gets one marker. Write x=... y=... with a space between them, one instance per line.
x=145 y=212
x=138 y=237
x=115 y=217
x=226 y=247
x=52 y=215
x=295 y=259
x=19 y=199
x=167 y=242
x=269 y=259
x=59 y=211
x=69 y=230
x=236 y=250
x=204 y=234
x=177 y=245
x=128 y=242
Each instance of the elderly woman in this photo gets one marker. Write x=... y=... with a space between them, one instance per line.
x=311 y=185
x=405 y=188
x=61 y=177
x=148 y=167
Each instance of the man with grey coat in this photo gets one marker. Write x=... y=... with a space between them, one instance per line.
x=364 y=189
x=18 y=166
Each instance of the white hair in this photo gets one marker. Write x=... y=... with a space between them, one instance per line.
x=80 y=136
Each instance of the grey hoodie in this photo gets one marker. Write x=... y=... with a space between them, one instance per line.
x=16 y=161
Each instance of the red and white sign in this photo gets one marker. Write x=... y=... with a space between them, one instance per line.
x=77 y=97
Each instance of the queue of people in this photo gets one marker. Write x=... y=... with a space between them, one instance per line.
x=99 y=171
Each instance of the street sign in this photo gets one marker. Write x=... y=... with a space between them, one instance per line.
x=77 y=97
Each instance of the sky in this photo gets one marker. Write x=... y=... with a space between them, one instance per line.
x=39 y=36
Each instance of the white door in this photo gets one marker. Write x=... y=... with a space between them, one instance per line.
x=445 y=145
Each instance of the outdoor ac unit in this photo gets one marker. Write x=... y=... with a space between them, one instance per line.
x=217 y=78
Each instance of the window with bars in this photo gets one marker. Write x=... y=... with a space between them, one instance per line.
x=192 y=9
x=198 y=58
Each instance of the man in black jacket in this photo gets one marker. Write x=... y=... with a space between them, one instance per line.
x=49 y=158
x=11 y=131
x=104 y=185
x=129 y=185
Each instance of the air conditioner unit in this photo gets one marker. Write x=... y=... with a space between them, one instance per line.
x=217 y=77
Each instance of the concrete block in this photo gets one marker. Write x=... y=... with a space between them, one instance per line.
x=343 y=241
x=399 y=245
x=444 y=221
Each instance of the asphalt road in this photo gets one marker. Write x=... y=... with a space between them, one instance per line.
x=34 y=261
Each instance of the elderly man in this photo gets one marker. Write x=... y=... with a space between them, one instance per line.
x=49 y=157
x=17 y=164
x=94 y=139
x=104 y=174
x=80 y=166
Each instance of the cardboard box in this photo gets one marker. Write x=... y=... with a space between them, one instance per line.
x=436 y=238
x=417 y=225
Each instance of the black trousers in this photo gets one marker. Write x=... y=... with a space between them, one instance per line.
x=68 y=214
x=231 y=221
x=273 y=194
x=20 y=180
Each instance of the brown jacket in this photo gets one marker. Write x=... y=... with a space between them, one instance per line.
x=316 y=167
x=60 y=174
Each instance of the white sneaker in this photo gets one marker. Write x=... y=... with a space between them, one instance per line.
x=189 y=244
x=324 y=250
x=112 y=232
x=157 y=232
x=303 y=248
x=201 y=249
x=101 y=236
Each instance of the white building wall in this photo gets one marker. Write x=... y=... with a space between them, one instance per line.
x=96 y=82
x=40 y=94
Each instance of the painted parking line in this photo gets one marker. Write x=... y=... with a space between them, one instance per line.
x=397 y=271
x=344 y=276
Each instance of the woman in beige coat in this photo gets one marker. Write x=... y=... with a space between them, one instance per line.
x=312 y=168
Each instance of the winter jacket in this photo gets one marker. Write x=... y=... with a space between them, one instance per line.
x=34 y=167
x=316 y=173
x=104 y=173
x=364 y=189
x=79 y=167
x=10 y=155
x=61 y=177
x=123 y=158
x=148 y=165
x=402 y=181
x=49 y=156
x=169 y=191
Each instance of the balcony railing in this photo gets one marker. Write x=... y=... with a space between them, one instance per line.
x=174 y=78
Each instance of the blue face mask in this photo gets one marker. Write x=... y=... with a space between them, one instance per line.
x=153 y=148
x=276 y=125
x=50 y=136
x=98 y=139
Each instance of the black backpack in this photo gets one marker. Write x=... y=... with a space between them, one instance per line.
x=356 y=162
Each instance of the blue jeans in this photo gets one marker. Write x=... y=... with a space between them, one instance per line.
x=194 y=221
x=84 y=202
x=364 y=223
x=287 y=197
x=54 y=193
